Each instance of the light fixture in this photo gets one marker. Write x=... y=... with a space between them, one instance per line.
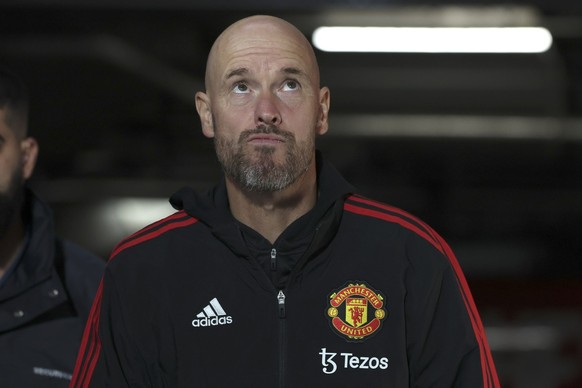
x=433 y=39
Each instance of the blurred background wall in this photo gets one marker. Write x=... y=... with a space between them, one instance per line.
x=485 y=147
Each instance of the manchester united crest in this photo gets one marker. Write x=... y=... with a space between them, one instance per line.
x=356 y=311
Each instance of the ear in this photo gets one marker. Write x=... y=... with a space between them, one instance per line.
x=29 y=150
x=324 y=104
x=205 y=113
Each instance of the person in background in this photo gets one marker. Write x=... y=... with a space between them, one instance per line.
x=281 y=275
x=46 y=284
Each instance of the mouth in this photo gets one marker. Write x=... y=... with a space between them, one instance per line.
x=265 y=139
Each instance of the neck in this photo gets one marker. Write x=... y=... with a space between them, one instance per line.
x=272 y=212
x=10 y=244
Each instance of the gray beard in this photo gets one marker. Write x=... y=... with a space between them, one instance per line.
x=263 y=175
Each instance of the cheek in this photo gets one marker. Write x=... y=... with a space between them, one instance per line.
x=7 y=170
x=294 y=102
x=239 y=101
x=227 y=133
x=302 y=116
x=8 y=162
x=233 y=119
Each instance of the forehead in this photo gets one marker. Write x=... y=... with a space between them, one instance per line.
x=263 y=46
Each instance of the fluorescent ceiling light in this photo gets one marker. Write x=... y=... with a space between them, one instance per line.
x=433 y=39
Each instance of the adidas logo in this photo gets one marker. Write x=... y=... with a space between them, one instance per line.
x=212 y=315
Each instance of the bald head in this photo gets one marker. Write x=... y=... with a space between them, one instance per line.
x=263 y=105
x=254 y=35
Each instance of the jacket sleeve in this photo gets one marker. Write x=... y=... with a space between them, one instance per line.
x=446 y=341
x=109 y=356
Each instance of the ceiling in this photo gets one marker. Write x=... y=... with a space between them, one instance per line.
x=486 y=148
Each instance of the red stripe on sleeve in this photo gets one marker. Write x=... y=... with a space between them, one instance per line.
x=90 y=348
x=490 y=378
x=392 y=218
x=124 y=245
x=89 y=342
x=178 y=215
x=94 y=354
x=486 y=357
x=395 y=210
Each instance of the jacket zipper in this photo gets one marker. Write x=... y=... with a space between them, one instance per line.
x=273 y=259
x=281 y=301
x=282 y=337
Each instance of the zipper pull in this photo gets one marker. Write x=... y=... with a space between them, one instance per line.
x=281 y=299
x=273 y=259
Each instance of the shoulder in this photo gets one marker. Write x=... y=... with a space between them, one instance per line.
x=80 y=261
x=394 y=216
x=155 y=232
x=425 y=248
x=81 y=274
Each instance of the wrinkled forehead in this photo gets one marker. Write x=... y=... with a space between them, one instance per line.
x=271 y=39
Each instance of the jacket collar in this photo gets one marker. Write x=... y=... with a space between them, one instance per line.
x=212 y=209
x=37 y=257
x=34 y=287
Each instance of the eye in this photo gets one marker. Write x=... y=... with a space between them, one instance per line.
x=240 y=87
x=290 y=85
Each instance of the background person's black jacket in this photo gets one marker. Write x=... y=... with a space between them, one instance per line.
x=353 y=294
x=44 y=305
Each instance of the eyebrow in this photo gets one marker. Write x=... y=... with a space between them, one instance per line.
x=293 y=70
x=237 y=72
x=243 y=71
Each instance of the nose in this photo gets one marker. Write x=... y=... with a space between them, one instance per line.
x=267 y=112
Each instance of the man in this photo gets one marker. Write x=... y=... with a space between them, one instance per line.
x=46 y=284
x=280 y=276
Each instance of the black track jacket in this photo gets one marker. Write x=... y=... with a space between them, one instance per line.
x=355 y=293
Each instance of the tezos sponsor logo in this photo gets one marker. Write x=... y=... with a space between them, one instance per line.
x=331 y=361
